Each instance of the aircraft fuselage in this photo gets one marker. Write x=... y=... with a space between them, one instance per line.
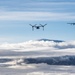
x=37 y=27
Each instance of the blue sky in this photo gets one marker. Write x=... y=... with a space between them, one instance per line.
x=16 y=15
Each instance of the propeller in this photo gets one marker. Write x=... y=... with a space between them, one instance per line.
x=33 y=26
x=43 y=26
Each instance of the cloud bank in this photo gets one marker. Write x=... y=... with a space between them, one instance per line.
x=37 y=45
x=37 y=57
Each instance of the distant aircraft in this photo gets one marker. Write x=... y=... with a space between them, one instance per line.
x=71 y=23
x=37 y=27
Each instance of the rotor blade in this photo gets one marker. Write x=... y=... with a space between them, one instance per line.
x=69 y=23
x=33 y=25
x=30 y=25
x=43 y=25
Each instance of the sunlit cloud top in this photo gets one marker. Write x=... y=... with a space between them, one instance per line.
x=37 y=45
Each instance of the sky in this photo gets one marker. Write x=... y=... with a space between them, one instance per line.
x=16 y=15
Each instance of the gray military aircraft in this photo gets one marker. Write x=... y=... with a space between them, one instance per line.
x=71 y=23
x=37 y=26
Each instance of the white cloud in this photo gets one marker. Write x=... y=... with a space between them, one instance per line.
x=37 y=45
x=37 y=49
x=36 y=16
x=38 y=69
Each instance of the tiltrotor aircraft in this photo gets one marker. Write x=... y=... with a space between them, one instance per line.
x=37 y=26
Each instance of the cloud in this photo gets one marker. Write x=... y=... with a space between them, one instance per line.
x=37 y=49
x=45 y=73
x=63 y=60
x=32 y=5
x=37 y=45
x=36 y=16
x=36 y=69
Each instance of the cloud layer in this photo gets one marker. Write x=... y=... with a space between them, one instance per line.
x=37 y=45
x=19 y=66
x=37 y=58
